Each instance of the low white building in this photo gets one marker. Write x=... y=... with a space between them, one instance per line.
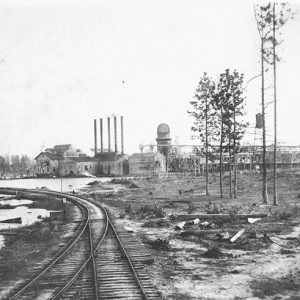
x=151 y=163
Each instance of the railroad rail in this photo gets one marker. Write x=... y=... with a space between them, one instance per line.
x=101 y=262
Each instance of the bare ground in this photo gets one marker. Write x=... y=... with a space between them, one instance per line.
x=193 y=263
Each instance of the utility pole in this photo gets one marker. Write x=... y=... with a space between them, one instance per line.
x=275 y=113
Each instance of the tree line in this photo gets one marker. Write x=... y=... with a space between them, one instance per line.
x=218 y=109
x=14 y=164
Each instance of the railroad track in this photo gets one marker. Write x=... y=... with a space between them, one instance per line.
x=102 y=262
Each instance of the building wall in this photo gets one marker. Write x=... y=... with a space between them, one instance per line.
x=90 y=167
x=44 y=169
x=70 y=153
x=67 y=167
x=147 y=164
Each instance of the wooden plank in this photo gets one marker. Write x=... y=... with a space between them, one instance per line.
x=235 y=237
x=14 y=220
x=184 y=217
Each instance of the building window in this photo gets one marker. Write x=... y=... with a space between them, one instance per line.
x=48 y=169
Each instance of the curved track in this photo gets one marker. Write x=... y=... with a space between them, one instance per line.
x=95 y=265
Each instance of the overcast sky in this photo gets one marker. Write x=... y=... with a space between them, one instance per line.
x=62 y=66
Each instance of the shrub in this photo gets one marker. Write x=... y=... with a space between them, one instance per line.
x=213 y=208
x=191 y=208
x=233 y=211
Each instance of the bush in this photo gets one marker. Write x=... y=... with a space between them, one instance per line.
x=213 y=208
x=151 y=212
x=233 y=211
x=38 y=232
x=191 y=208
x=155 y=243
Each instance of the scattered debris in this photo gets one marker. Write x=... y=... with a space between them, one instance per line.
x=194 y=222
x=253 y=220
x=129 y=229
x=207 y=225
x=223 y=235
x=235 y=237
x=180 y=225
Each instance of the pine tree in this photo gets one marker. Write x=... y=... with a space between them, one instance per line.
x=269 y=21
x=229 y=104
x=205 y=121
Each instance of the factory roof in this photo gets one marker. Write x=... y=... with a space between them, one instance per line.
x=146 y=154
x=83 y=159
x=62 y=148
x=108 y=156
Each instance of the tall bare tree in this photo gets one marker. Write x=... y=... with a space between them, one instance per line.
x=269 y=21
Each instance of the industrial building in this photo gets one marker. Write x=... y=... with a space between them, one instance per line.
x=116 y=163
x=64 y=160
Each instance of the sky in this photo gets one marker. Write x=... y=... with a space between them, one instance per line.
x=65 y=63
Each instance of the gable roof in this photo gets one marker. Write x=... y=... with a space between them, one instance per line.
x=50 y=156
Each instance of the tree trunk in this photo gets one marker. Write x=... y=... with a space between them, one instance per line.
x=234 y=157
x=275 y=115
x=230 y=171
x=264 y=167
x=221 y=156
x=206 y=148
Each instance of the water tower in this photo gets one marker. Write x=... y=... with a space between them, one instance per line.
x=163 y=139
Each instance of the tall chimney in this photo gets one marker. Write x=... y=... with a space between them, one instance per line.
x=108 y=128
x=122 y=136
x=101 y=135
x=115 y=129
x=95 y=135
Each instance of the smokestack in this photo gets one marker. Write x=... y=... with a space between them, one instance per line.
x=95 y=135
x=108 y=128
x=115 y=129
x=122 y=136
x=101 y=135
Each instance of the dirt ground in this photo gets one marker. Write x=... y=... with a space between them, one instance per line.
x=195 y=262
